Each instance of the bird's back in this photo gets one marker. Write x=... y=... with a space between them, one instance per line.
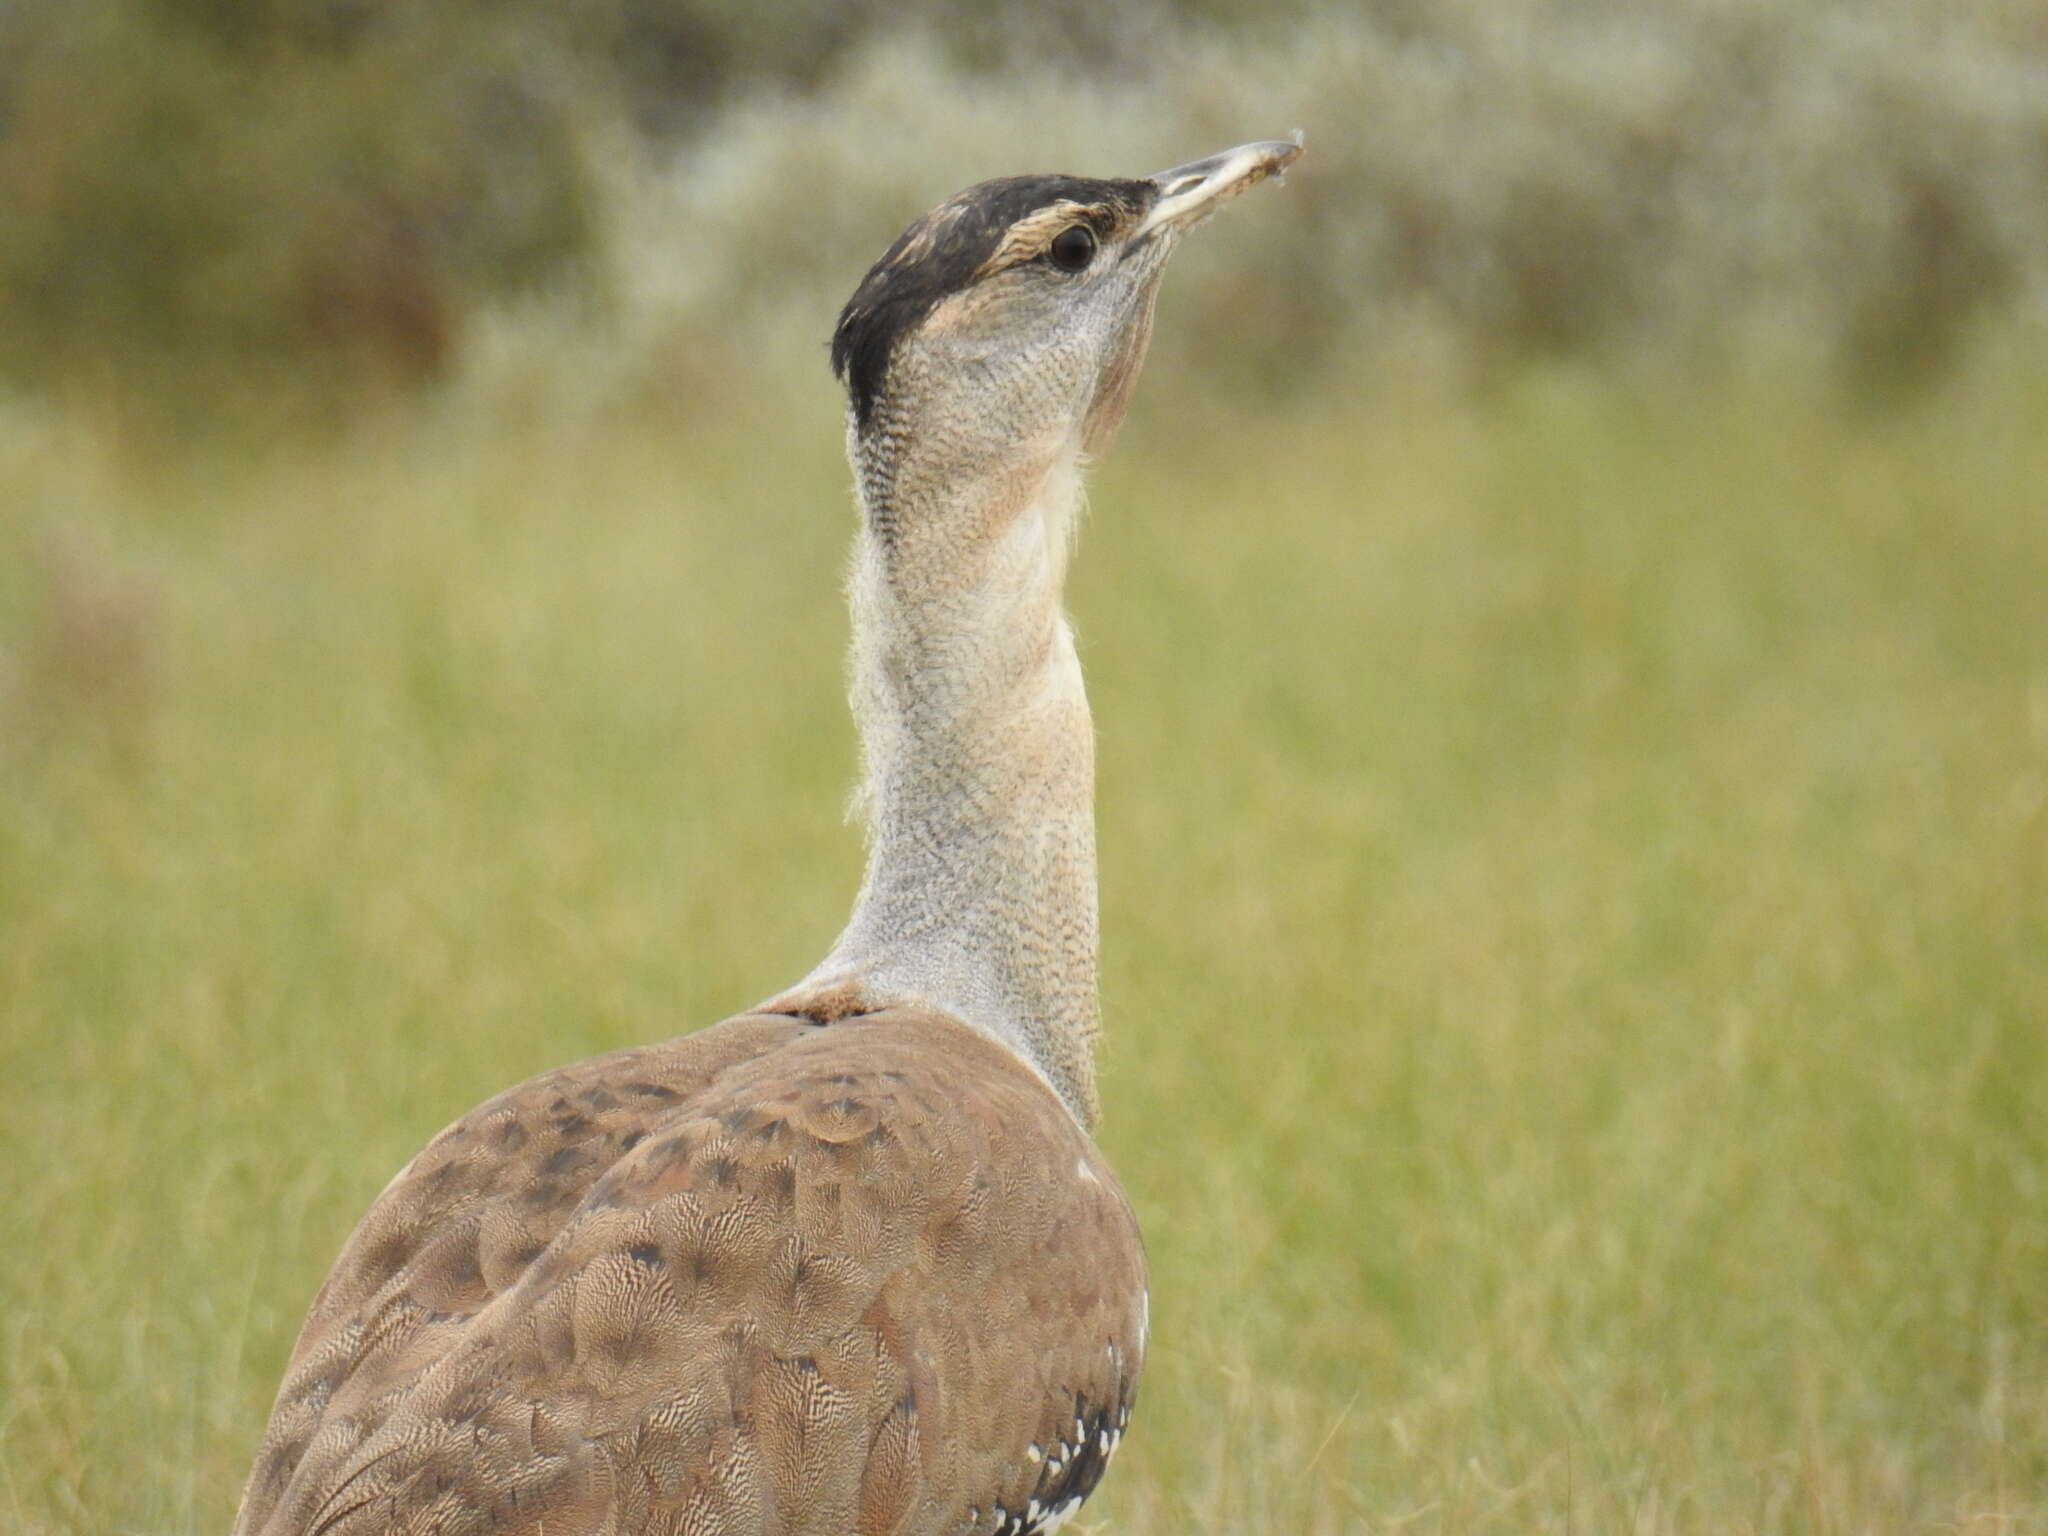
x=779 y=1276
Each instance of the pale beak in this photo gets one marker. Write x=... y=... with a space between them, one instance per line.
x=1190 y=193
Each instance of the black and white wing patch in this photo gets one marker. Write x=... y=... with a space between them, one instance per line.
x=1067 y=1473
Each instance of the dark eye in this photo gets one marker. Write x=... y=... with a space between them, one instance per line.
x=1072 y=248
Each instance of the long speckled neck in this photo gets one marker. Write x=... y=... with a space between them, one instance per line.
x=979 y=762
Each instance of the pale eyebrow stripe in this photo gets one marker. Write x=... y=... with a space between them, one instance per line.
x=1030 y=234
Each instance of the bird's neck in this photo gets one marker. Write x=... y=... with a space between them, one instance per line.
x=979 y=766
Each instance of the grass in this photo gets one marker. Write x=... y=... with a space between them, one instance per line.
x=1575 y=886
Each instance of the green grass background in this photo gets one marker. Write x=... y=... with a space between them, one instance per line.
x=1575 y=876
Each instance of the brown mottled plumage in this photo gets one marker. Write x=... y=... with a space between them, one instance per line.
x=764 y=1277
x=850 y=1264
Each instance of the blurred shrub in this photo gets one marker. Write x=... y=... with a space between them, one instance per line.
x=676 y=58
x=1859 y=188
x=308 y=188
x=215 y=189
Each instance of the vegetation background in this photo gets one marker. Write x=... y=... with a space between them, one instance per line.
x=1568 y=619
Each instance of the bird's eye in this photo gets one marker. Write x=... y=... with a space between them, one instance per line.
x=1072 y=248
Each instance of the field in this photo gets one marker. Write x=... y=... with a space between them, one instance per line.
x=1575 y=869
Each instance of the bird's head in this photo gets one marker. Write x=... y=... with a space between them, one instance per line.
x=1011 y=320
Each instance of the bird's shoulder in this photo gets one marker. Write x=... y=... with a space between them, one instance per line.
x=860 y=1269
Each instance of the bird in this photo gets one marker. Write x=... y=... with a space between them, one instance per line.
x=849 y=1261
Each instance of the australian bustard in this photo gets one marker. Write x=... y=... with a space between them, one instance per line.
x=849 y=1262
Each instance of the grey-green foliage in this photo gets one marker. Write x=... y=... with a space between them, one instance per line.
x=1857 y=185
x=1863 y=187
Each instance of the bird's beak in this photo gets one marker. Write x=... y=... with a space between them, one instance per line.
x=1189 y=193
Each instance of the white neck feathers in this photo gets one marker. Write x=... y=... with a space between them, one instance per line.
x=978 y=758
